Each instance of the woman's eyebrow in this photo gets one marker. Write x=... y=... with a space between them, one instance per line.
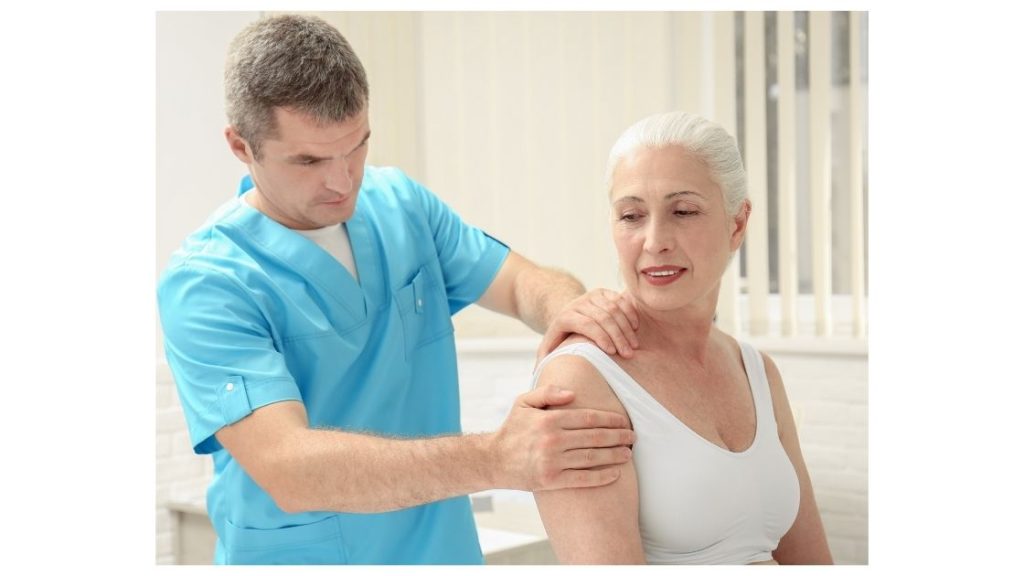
x=669 y=196
x=672 y=195
x=628 y=200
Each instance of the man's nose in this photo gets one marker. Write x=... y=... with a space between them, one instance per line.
x=339 y=176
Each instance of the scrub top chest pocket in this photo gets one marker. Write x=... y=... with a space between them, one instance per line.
x=424 y=310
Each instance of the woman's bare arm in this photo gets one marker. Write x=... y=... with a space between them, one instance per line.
x=591 y=525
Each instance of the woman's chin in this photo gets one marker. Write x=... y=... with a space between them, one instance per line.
x=661 y=302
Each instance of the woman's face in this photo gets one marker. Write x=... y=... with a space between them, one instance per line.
x=670 y=228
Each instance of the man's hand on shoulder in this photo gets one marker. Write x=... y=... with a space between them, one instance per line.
x=604 y=316
x=539 y=449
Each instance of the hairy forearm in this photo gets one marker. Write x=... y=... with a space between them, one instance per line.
x=346 y=472
x=541 y=292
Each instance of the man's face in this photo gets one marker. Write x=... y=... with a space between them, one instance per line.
x=309 y=174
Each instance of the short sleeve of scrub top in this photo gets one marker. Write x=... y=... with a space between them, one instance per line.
x=221 y=348
x=463 y=251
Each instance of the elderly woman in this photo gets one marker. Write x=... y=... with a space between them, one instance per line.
x=717 y=476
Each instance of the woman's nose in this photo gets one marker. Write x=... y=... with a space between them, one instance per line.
x=658 y=238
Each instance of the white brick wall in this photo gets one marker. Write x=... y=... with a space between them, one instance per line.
x=828 y=393
x=180 y=474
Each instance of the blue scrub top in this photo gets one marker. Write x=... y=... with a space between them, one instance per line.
x=254 y=313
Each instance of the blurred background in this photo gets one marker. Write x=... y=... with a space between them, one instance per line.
x=509 y=117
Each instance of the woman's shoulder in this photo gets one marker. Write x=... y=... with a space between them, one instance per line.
x=571 y=364
x=577 y=372
x=739 y=350
x=730 y=343
x=772 y=375
x=742 y=348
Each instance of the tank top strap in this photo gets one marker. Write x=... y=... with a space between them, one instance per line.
x=753 y=362
x=604 y=365
x=639 y=404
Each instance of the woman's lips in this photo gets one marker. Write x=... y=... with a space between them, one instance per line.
x=662 y=275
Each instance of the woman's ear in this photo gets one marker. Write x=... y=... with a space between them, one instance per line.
x=739 y=226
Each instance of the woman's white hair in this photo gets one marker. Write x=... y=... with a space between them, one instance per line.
x=701 y=137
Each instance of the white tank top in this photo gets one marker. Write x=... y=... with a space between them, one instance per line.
x=701 y=503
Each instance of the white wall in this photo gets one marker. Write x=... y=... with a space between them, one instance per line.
x=195 y=172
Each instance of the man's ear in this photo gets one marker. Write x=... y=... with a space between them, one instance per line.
x=239 y=147
x=739 y=226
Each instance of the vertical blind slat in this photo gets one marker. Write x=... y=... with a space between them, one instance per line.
x=821 y=167
x=757 y=171
x=725 y=114
x=787 y=225
x=857 y=261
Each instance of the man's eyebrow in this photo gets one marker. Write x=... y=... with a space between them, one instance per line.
x=303 y=157
x=361 y=142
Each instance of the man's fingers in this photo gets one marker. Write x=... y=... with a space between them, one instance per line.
x=585 y=478
x=614 y=307
x=604 y=324
x=626 y=325
x=594 y=457
x=547 y=396
x=607 y=317
x=590 y=327
x=587 y=418
x=627 y=304
x=596 y=438
x=624 y=302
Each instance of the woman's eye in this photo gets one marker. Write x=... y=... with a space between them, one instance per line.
x=686 y=212
x=629 y=217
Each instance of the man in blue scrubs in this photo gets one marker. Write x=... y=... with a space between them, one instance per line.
x=308 y=328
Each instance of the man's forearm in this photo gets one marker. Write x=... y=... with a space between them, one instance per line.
x=541 y=292
x=346 y=472
x=306 y=469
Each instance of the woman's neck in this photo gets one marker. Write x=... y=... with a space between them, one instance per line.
x=685 y=332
